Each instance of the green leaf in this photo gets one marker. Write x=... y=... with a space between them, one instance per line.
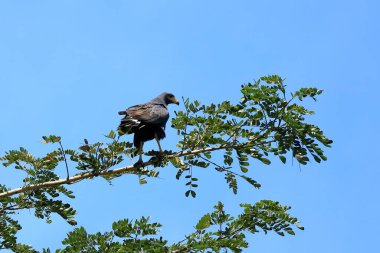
x=243 y=169
x=142 y=181
x=283 y=159
x=265 y=160
x=254 y=183
x=51 y=139
x=204 y=222
x=290 y=232
x=85 y=148
x=111 y=135
x=190 y=192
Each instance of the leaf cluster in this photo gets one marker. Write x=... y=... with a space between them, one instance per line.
x=217 y=231
x=266 y=123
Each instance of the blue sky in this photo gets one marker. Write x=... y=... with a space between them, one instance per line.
x=68 y=67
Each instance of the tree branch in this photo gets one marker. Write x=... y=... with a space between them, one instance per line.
x=118 y=171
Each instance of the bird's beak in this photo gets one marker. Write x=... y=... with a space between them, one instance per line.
x=175 y=101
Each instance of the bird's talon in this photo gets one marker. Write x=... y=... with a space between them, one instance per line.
x=139 y=164
x=160 y=155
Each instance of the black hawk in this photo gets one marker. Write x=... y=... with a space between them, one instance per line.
x=147 y=121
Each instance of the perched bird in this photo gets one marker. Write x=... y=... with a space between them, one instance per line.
x=147 y=121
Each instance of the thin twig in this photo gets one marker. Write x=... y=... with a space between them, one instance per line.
x=227 y=170
x=186 y=123
x=64 y=158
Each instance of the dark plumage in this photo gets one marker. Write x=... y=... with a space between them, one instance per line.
x=147 y=121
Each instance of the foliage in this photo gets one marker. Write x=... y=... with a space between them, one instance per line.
x=216 y=231
x=227 y=137
x=126 y=236
x=220 y=231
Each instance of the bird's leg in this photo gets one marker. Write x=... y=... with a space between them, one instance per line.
x=158 y=142
x=140 y=161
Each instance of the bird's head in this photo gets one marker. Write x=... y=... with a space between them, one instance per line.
x=169 y=98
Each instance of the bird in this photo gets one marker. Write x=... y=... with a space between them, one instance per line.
x=147 y=121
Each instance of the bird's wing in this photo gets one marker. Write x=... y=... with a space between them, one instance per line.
x=149 y=113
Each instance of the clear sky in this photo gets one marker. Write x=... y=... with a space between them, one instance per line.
x=67 y=68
